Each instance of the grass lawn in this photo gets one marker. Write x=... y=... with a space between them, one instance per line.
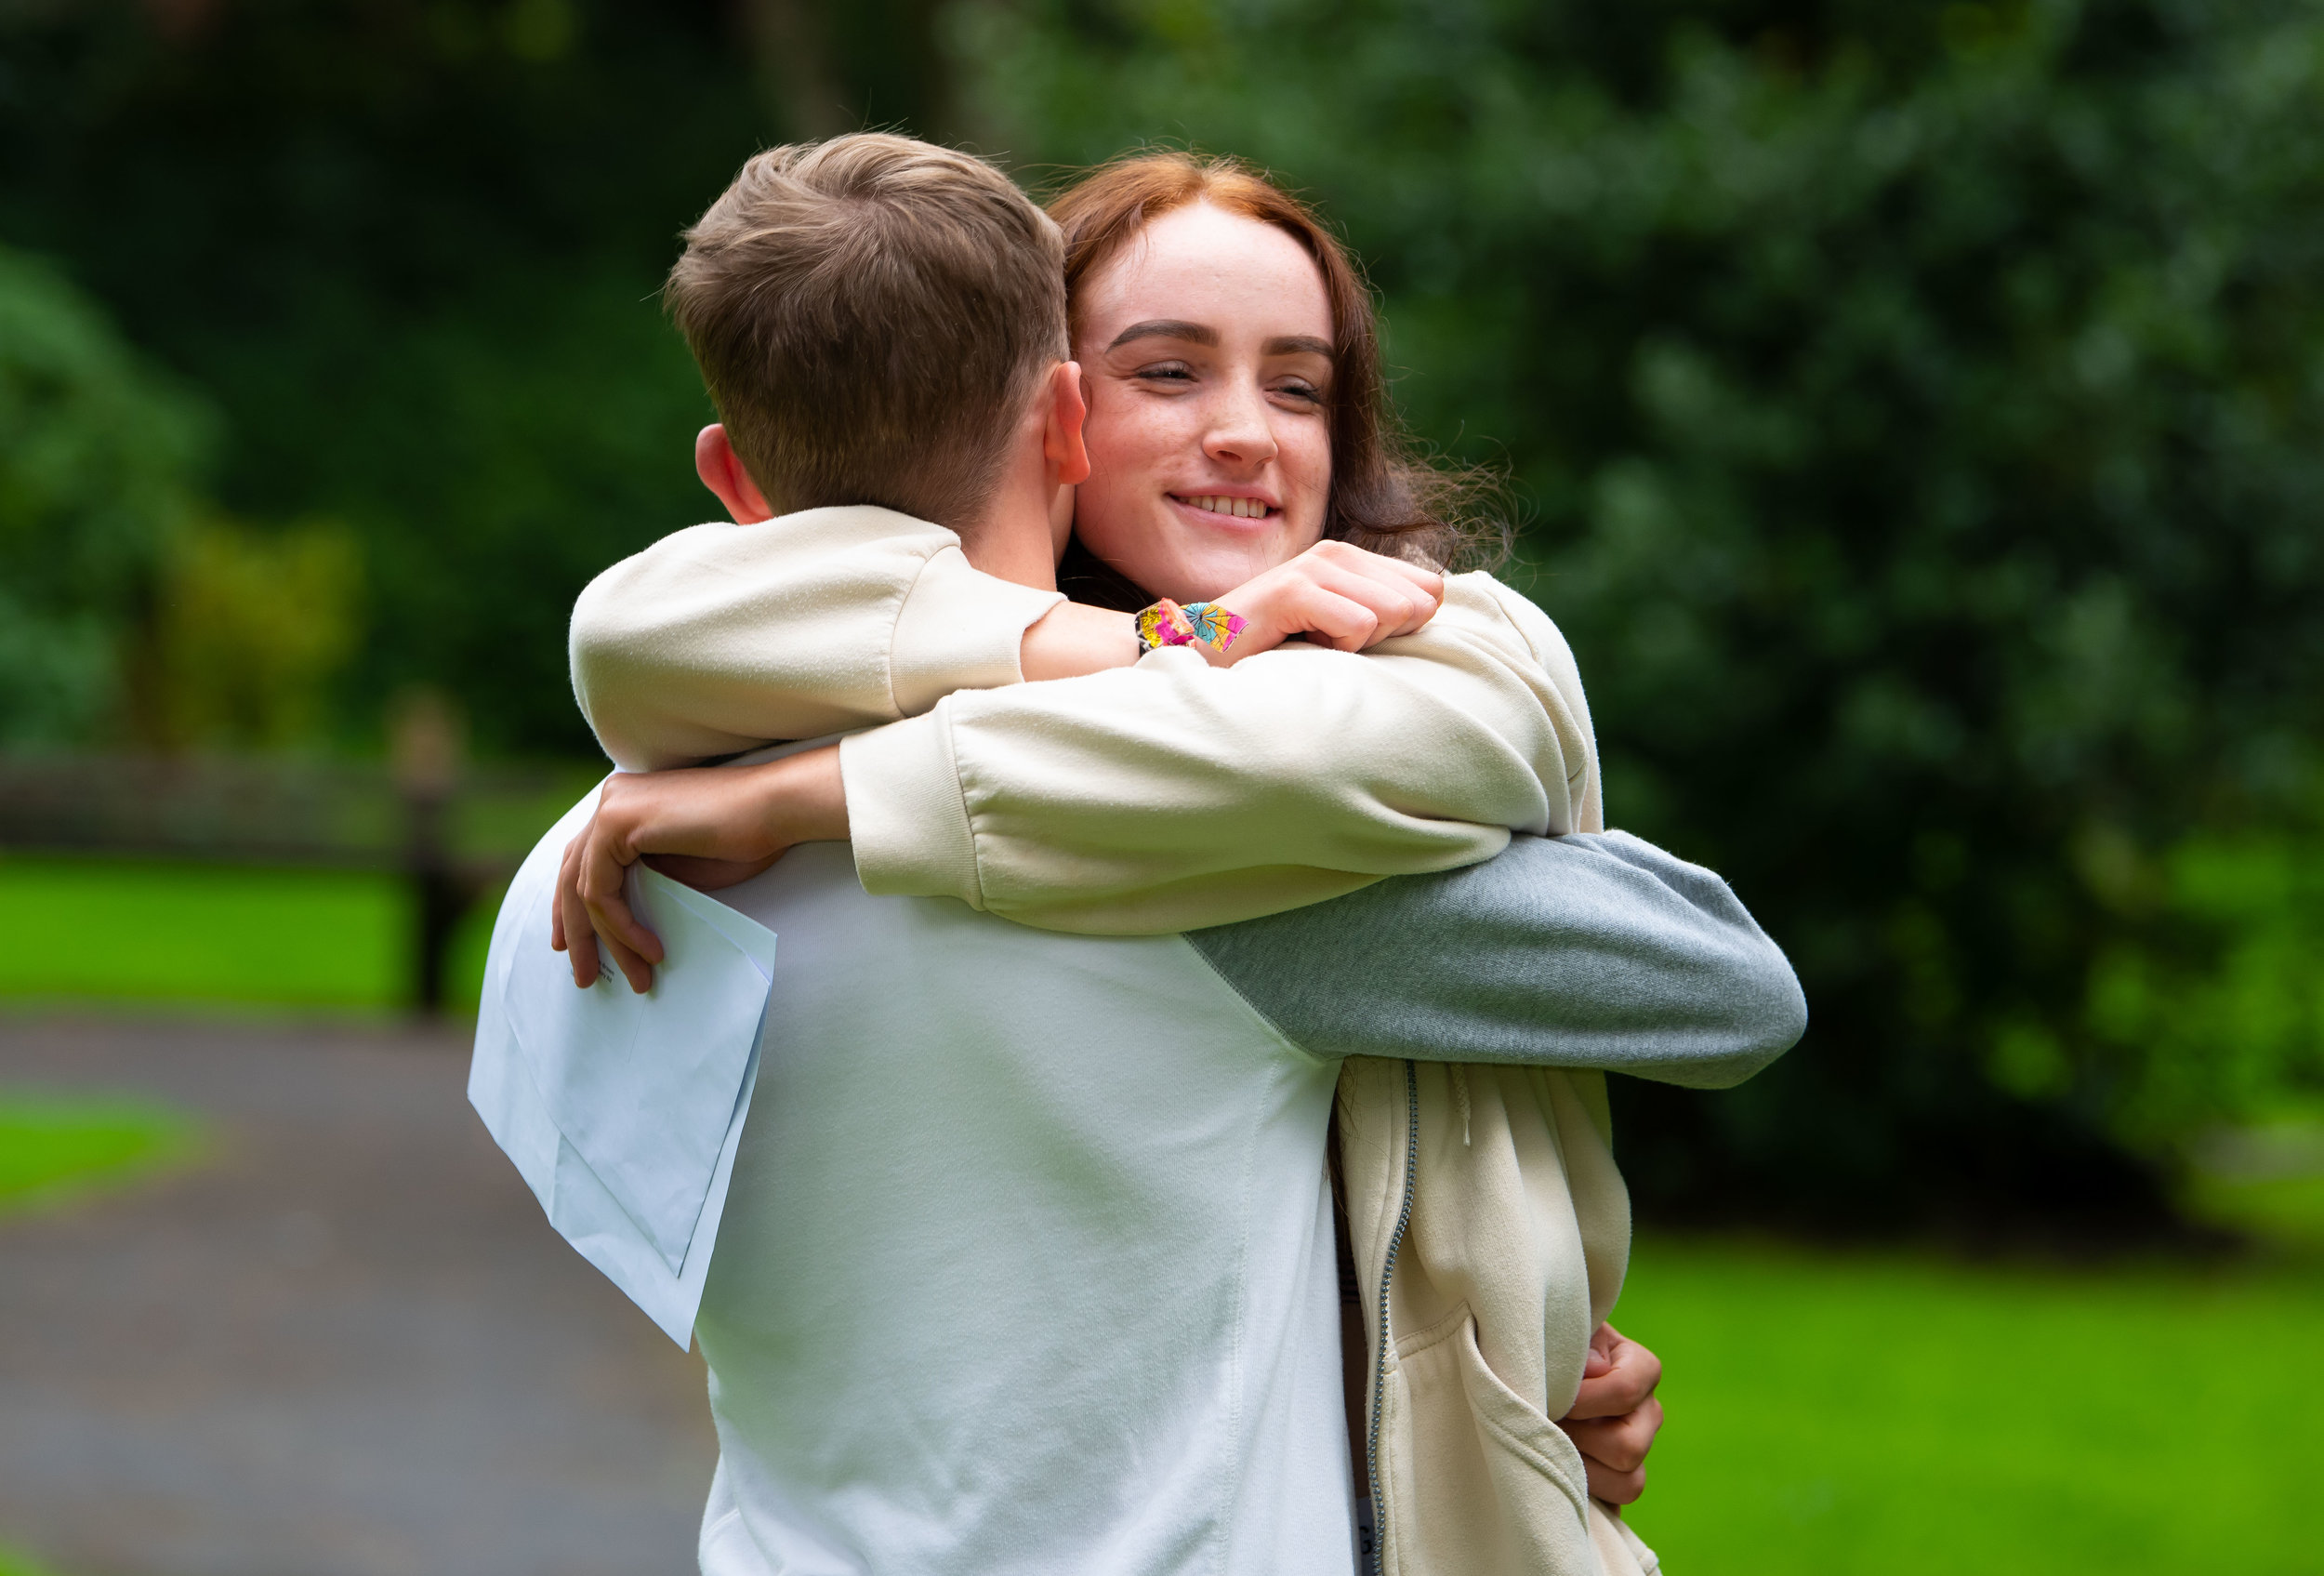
x=1892 y=1415
x=50 y=1147
x=86 y=929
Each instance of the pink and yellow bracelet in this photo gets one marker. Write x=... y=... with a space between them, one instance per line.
x=1204 y=624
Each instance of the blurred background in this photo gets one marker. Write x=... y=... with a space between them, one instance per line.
x=1915 y=418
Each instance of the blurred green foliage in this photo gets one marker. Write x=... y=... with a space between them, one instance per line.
x=248 y=632
x=1923 y=409
x=128 y=606
x=97 y=467
x=410 y=254
x=1919 y=407
x=2218 y=1006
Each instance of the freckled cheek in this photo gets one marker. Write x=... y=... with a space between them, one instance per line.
x=1306 y=461
x=1129 y=440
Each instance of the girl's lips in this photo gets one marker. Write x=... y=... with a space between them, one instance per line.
x=1242 y=506
x=1218 y=520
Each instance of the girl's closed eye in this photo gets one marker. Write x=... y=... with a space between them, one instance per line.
x=1167 y=371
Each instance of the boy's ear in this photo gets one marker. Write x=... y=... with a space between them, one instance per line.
x=722 y=470
x=1061 y=432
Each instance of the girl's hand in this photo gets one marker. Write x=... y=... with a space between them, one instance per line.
x=710 y=826
x=1335 y=595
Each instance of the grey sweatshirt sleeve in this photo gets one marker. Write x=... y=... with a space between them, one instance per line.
x=1596 y=950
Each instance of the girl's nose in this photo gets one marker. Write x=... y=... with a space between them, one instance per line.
x=1239 y=432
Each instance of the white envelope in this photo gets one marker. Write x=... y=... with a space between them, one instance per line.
x=622 y=1111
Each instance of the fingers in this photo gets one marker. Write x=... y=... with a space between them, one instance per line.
x=710 y=829
x=1336 y=595
x=1328 y=619
x=608 y=901
x=1613 y=1488
x=1599 y=1362
x=1630 y=1377
x=635 y=969
x=1614 y=1451
x=570 y=918
x=1405 y=595
x=1382 y=587
x=601 y=877
x=1349 y=554
x=1350 y=612
x=1616 y=1415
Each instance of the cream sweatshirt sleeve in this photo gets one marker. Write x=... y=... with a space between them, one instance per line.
x=1173 y=795
x=722 y=637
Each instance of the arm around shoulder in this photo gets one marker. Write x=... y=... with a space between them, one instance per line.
x=723 y=637
x=1173 y=794
x=1596 y=951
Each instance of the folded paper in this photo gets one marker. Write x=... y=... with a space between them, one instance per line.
x=623 y=1112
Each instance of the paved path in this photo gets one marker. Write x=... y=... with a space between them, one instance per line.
x=345 y=1343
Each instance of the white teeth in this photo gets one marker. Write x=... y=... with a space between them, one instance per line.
x=1242 y=509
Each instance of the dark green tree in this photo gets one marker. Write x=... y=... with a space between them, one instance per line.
x=1921 y=411
x=100 y=461
x=411 y=254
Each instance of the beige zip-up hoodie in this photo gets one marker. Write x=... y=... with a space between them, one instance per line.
x=1488 y=1220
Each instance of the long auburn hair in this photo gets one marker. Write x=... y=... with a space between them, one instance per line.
x=1384 y=496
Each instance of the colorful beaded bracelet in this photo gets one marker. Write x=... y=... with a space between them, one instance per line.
x=1198 y=623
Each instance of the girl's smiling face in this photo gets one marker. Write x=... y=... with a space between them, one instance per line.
x=1206 y=353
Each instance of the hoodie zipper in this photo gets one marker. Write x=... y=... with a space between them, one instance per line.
x=1388 y=1272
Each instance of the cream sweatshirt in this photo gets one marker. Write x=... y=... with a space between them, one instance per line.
x=1144 y=800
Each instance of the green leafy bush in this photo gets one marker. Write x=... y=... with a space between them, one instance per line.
x=97 y=456
x=249 y=631
x=411 y=254
x=1924 y=412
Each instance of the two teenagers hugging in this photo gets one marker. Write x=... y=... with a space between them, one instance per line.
x=1171 y=1133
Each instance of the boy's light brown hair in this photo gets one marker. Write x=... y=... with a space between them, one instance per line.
x=871 y=315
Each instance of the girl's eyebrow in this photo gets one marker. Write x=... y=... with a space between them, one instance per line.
x=1297 y=344
x=1201 y=334
x=1165 y=328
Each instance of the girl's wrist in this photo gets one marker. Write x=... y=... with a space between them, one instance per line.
x=1073 y=638
x=1210 y=628
x=805 y=798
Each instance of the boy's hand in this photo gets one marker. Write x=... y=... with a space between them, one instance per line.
x=708 y=827
x=1336 y=595
x=1616 y=1415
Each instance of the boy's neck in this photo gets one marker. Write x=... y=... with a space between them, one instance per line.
x=1020 y=533
x=1011 y=541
